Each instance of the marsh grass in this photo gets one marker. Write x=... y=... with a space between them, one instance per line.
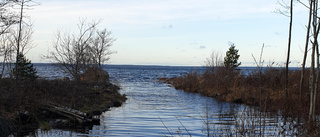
x=262 y=88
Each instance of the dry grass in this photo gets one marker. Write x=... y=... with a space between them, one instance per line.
x=259 y=88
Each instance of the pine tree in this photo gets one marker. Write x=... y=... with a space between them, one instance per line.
x=25 y=69
x=232 y=57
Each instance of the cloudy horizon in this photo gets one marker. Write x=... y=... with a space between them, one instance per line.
x=175 y=32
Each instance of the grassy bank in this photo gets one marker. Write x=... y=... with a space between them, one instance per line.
x=20 y=106
x=257 y=88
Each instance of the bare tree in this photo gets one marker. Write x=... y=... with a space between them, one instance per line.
x=215 y=60
x=15 y=33
x=289 y=46
x=70 y=49
x=313 y=28
x=100 y=47
x=7 y=52
x=288 y=12
x=75 y=52
x=306 y=48
x=314 y=73
x=8 y=17
x=23 y=4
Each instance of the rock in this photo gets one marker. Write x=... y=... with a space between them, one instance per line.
x=95 y=75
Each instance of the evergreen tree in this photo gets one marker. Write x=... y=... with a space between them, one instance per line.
x=25 y=69
x=232 y=57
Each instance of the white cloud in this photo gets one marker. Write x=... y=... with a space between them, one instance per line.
x=138 y=24
x=152 y=11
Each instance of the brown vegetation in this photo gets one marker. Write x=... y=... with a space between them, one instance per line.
x=94 y=74
x=263 y=88
x=27 y=99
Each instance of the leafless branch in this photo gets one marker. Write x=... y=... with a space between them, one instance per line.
x=87 y=48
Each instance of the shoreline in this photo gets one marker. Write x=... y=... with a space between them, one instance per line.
x=22 y=107
x=264 y=89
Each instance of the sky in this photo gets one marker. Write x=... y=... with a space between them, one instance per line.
x=176 y=32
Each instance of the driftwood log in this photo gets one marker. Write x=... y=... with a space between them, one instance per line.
x=69 y=113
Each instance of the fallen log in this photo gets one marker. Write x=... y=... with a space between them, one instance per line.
x=67 y=112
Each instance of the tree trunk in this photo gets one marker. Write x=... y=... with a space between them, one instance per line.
x=305 y=52
x=317 y=78
x=289 y=45
x=313 y=80
x=19 y=40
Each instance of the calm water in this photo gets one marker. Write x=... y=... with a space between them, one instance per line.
x=155 y=109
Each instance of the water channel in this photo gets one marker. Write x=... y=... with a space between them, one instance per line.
x=156 y=109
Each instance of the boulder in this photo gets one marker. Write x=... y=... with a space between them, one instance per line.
x=95 y=75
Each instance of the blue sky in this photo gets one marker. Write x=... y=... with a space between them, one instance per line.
x=176 y=32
